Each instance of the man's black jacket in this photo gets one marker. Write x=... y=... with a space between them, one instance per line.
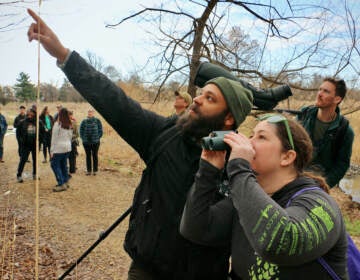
x=153 y=238
x=26 y=136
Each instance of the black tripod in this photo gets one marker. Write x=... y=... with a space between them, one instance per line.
x=102 y=236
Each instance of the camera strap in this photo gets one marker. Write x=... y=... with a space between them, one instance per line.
x=224 y=188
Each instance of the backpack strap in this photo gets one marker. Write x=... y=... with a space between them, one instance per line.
x=162 y=141
x=328 y=269
x=304 y=113
x=339 y=136
x=300 y=192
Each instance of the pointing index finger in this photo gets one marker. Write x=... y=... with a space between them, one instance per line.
x=35 y=16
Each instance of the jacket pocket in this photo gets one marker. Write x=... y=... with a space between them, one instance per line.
x=141 y=239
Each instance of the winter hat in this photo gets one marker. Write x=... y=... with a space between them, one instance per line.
x=184 y=95
x=238 y=98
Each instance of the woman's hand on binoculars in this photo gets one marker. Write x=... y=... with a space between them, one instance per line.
x=216 y=158
x=240 y=145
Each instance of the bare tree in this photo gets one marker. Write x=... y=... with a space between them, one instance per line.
x=189 y=31
x=49 y=92
x=13 y=16
x=98 y=63
x=236 y=48
x=112 y=73
x=95 y=61
x=68 y=93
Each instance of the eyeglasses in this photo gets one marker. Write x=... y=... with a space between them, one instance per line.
x=273 y=118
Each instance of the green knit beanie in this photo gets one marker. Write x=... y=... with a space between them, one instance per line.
x=238 y=98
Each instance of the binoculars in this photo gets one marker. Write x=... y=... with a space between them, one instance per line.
x=264 y=99
x=215 y=141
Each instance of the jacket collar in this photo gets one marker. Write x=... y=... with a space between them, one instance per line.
x=283 y=195
x=334 y=124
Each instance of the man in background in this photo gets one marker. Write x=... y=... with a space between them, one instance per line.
x=182 y=101
x=330 y=132
x=19 y=118
x=58 y=108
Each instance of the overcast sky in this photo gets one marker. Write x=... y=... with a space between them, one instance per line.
x=80 y=25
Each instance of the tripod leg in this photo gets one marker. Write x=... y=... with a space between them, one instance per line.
x=102 y=236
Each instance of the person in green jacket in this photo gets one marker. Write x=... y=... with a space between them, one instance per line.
x=323 y=122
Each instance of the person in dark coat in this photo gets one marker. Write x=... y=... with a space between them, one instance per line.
x=26 y=133
x=322 y=121
x=21 y=116
x=170 y=147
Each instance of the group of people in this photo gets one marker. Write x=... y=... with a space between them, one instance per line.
x=275 y=219
x=59 y=137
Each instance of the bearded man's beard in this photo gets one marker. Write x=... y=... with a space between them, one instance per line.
x=201 y=126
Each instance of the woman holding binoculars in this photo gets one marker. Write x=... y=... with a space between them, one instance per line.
x=280 y=221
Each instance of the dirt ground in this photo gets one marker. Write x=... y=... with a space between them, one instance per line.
x=71 y=221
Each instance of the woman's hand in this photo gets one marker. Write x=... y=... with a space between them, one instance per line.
x=240 y=145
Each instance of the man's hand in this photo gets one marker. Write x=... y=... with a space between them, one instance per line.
x=40 y=31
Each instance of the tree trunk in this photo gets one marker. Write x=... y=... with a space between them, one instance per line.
x=197 y=45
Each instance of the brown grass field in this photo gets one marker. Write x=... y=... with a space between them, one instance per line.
x=69 y=222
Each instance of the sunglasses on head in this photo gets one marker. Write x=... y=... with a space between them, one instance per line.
x=274 y=118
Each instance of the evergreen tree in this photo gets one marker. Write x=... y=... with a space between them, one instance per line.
x=25 y=90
